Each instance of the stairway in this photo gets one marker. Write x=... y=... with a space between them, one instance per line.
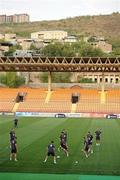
x=73 y=108
x=15 y=107
x=48 y=96
x=102 y=97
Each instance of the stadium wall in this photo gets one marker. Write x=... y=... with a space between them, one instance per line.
x=68 y=115
x=61 y=115
x=69 y=85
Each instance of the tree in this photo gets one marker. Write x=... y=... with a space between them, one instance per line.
x=44 y=77
x=86 y=50
x=33 y=47
x=11 y=79
x=115 y=53
x=115 y=43
x=61 y=77
x=79 y=49
x=92 y=39
x=58 y=49
x=85 y=80
x=57 y=77
x=12 y=49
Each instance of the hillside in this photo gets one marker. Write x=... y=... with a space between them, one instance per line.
x=102 y=25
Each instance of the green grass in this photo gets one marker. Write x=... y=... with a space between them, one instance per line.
x=34 y=134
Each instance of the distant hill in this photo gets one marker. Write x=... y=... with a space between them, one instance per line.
x=102 y=25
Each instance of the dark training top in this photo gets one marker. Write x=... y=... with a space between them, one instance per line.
x=90 y=138
x=12 y=135
x=15 y=121
x=13 y=145
x=51 y=148
x=63 y=141
x=63 y=136
x=86 y=145
x=98 y=134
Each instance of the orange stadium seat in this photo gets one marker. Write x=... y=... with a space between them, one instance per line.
x=60 y=100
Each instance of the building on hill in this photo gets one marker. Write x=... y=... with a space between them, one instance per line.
x=25 y=43
x=49 y=35
x=109 y=77
x=4 y=46
x=1 y=52
x=9 y=19
x=22 y=53
x=20 y=18
x=2 y=37
x=16 y=18
x=10 y=37
x=100 y=42
x=70 y=39
x=3 y=49
x=104 y=46
x=2 y=19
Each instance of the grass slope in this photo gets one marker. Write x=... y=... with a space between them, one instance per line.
x=102 y=25
x=34 y=134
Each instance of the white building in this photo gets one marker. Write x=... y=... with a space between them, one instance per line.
x=1 y=36
x=71 y=39
x=10 y=37
x=49 y=35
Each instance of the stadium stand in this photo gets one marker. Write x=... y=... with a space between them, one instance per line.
x=59 y=100
x=7 y=99
x=6 y=106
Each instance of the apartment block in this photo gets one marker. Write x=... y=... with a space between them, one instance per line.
x=16 y=18
x=2 y=19
x=20 y=18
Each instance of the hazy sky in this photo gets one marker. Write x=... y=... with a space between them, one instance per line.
x=58 y=9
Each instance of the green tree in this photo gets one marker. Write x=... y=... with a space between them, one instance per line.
x=33 y=47
x=12 y=49
x=61 y=77
x=57 y=77
x=11 y=79
x=58 y=49
x=86 y=50
x=92 y=39
x=85 y=80
x=44 y=77
x=72 y=50
x=115 y=53
x=115 y=43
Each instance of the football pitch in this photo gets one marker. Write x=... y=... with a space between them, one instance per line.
x=34 y=134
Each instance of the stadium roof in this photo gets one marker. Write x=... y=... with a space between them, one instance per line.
x=60 y=64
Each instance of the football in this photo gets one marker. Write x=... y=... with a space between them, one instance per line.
x=76 y=162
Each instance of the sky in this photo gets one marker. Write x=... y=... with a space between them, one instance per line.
x=58 y=9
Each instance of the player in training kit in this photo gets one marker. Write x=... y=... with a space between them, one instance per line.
x=51 y=152
x=86 y=147
x=63 y=136
x=13 y=148
x=64 y=146
x=15 y=122
x=12 y=135
x=97 y=133
x=90 y=141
